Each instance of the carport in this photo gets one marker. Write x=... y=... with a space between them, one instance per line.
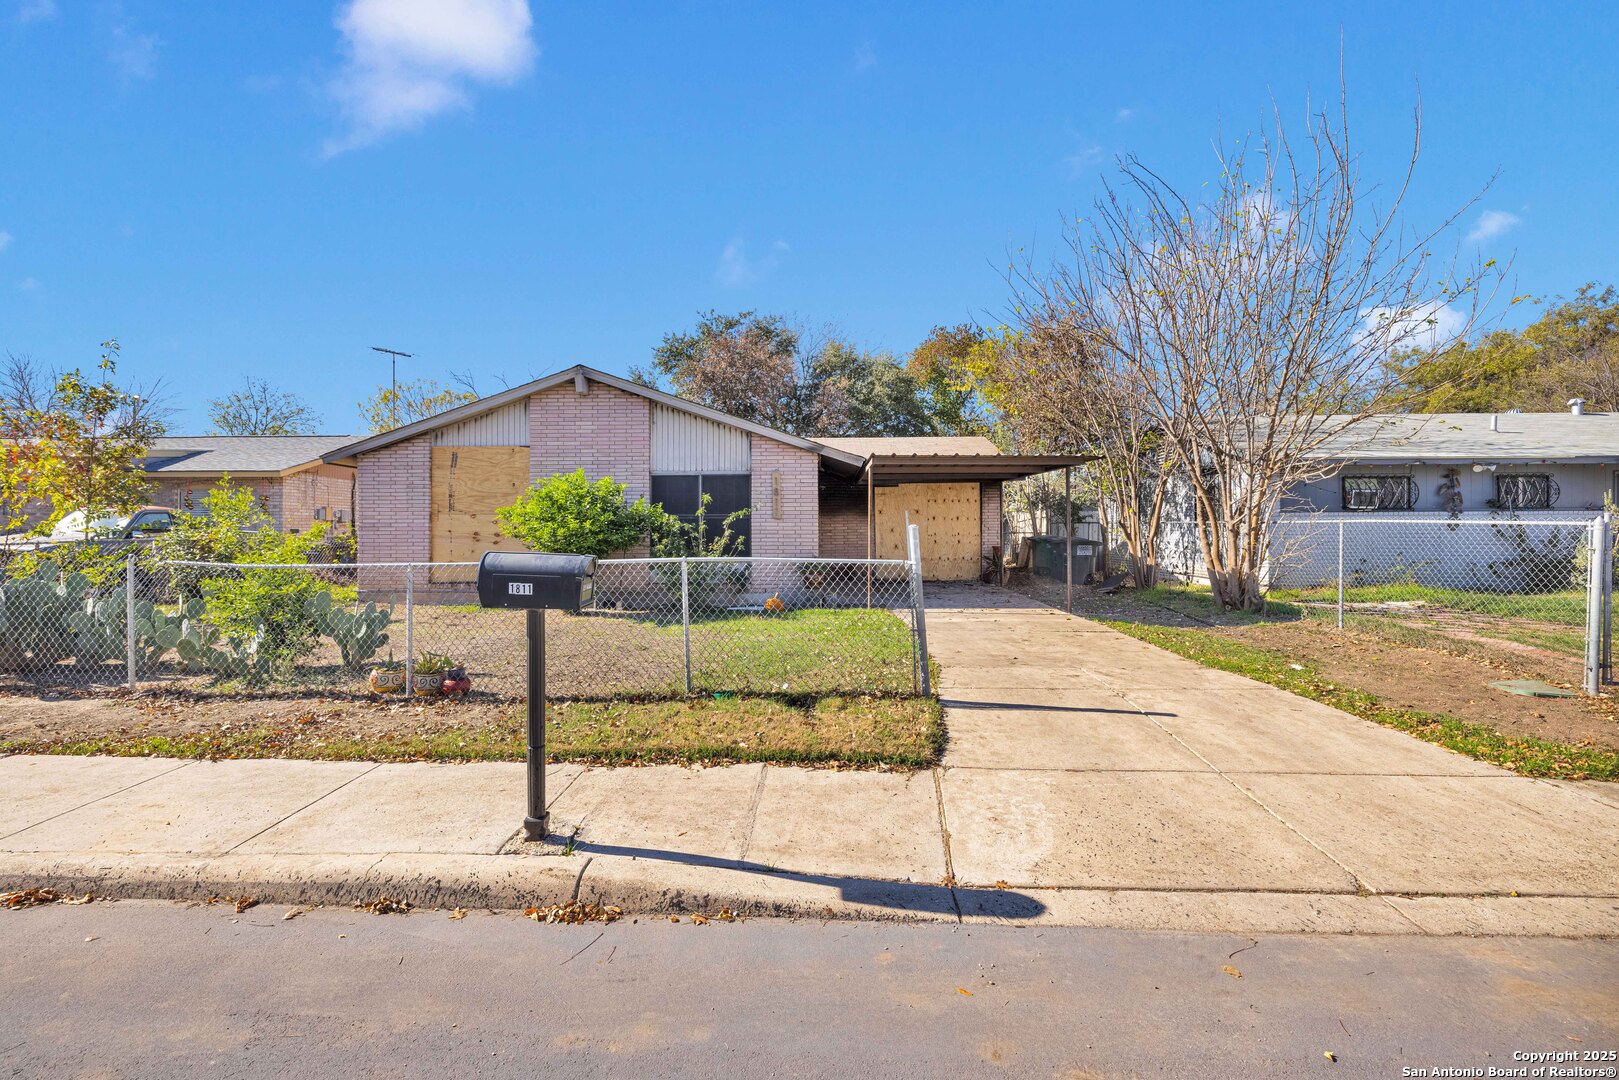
x=951 y=487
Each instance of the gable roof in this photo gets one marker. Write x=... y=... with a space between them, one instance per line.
x=238 y=454
x=1560 y=437
x=579 y=374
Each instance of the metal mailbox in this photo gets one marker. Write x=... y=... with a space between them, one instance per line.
x=528 y=580
x=535 y=583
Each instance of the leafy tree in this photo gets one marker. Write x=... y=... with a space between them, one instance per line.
x=260 y=409
x=759 y=368
x=414 y=400
x=570 y=514
x=871 y=394
x=944 y=365
x=1571 y=351
x=748 y=365
x=91 y=444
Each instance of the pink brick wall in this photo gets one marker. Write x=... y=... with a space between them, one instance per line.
x=785 y=520
x=329 y=488
x=188 y=492
x=843 y=521
x=989 y=515
x=394 y=501
x=607 y=432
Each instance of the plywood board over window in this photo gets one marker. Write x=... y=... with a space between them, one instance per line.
x=948 y=516
x=469 y=484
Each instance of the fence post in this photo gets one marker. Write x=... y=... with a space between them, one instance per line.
x=685 y=614
x=1340 y=575
x=913 y=542
x=1607 y=598
x=129 y=622
x=410 y=627
x=1598 y=569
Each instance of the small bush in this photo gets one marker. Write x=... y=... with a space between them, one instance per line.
x=568 y=513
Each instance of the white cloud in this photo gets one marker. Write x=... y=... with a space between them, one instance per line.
x=1490 y=224
x=409 y=60
x=1429 y=327
x=133 y=54
x=5 y=239
x=737 y=268
x=36 y=10
x=865 y=56
x=1124 y=116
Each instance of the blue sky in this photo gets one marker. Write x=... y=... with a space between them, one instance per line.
x=274 y=188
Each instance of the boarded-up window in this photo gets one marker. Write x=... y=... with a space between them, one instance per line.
x=469 y=484
x=948 y=518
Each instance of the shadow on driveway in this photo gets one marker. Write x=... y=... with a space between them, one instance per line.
x=895 y=895
x=951 y=703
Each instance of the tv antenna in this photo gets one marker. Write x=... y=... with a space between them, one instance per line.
x=393 y=376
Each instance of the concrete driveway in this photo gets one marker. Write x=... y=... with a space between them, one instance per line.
x=1083 y=759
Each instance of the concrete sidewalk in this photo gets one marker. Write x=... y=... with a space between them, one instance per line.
x=1090 y=779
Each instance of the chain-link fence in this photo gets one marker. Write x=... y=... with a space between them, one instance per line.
x=1542 y=586
x=654 y=628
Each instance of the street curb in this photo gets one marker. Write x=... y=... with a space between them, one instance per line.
x=650 y=887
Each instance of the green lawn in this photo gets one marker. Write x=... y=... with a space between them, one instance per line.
x=1529 y=756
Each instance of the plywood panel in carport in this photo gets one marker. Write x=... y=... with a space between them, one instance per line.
x=948 y=516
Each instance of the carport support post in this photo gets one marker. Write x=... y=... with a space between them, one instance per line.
x=129 y=621
x=685 y=615
x=1068 y=531
x=1606 y=557
x=534 y=824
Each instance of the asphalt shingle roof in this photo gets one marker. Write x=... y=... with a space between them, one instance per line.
x=945 y=445
x=238 y=453
x=1548 y=437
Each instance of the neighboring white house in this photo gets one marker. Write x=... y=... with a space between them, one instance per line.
x=1511 y=479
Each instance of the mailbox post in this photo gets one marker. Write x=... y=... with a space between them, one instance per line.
x=534 y=582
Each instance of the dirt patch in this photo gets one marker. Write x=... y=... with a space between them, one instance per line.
x=1432 y=681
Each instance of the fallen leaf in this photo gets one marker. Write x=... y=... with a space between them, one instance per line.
x=243 y=903
x=700 y=920
x=292 y=913
x=575 y=912
x=92 y=937
x=1329 y=1055
x=964 y=990
x=1231 y=971
x=1002 y=885
x=459 y=913
x=384 y=905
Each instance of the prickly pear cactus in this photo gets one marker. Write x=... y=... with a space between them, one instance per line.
x=359 y=634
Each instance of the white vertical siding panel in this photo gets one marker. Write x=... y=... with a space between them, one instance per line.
x=505 y=426
x=683 y=443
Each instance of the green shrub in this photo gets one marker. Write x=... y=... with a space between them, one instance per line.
x=709 y=584
x=568 y=513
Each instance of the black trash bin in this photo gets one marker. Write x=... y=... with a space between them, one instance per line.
x=1048 y=557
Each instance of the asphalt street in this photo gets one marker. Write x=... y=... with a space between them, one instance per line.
x=153 y=989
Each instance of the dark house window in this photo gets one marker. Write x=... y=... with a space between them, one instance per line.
x=1525 y=491
x=727 y=493
x=1379 y=493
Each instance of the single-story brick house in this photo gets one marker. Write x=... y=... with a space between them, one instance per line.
x=293 y=484
x=427 y=491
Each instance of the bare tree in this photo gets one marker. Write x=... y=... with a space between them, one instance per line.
x=1252 y=324
x=260 y=409
x=1067 y=391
